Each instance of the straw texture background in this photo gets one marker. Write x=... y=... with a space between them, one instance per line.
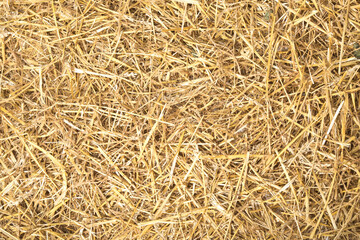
x=179 y=119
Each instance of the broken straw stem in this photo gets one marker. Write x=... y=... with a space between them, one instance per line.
x=333 y=122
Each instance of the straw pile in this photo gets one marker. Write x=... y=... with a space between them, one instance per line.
x=179 y=119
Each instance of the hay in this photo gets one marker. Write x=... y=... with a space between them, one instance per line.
x=186 y=119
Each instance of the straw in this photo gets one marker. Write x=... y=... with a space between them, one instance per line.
x=179 y=119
